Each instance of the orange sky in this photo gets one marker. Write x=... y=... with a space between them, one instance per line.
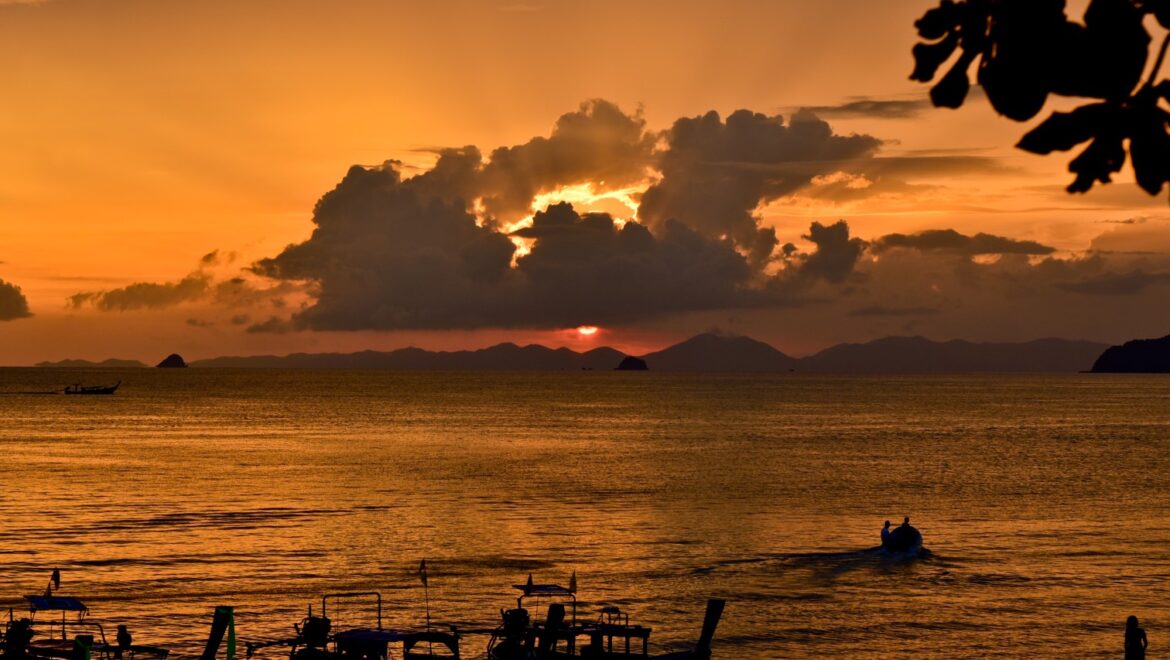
x=141 y=135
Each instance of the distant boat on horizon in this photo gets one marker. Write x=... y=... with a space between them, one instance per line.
x=92 y=389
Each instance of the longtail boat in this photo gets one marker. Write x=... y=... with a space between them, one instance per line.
x=315 y=638
x=92 y=389
x=610 y=637
x=50 y=637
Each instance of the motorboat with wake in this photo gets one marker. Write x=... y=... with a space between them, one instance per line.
x=610 y=637
x=902 y=542
x=315 y=638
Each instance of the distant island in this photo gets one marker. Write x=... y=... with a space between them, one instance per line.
x=921 y=355
x=173 y=361
x=87 y=364
x=631 y=363
x=1140 y=356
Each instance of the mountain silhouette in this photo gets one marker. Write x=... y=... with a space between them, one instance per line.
x=1140 y=356
x=921 y=355
x=501 y=357
x=710 y=352
x=703 y=353
x=111 y=363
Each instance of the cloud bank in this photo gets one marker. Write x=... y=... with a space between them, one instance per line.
x=482 y=242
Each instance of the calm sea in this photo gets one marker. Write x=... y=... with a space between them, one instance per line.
x=1045 y=500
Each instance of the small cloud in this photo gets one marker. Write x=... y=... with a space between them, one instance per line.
x=871 y=107
x=274 y=325
x=210 y=259
x=836 y=253
x=145 y=295
x=949 y=240
x=200 y=323
x=241 y=319
x=881 y=310
x=1119 y=284
x=867 y=107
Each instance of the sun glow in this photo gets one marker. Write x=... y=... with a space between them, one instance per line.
x=587 y=330
x=620 y=203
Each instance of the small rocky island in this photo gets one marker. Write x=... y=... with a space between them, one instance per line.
x=173 y=361
x=631 y=363
x=1140 y=356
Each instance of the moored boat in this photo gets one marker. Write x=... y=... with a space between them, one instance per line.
x=315 y=638
x=30 y=638
x=610 y=637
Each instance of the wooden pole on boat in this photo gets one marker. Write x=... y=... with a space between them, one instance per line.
x=422 y=575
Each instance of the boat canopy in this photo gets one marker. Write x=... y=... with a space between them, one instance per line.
x=544 y=590
x=55 y=603
x=383 y=636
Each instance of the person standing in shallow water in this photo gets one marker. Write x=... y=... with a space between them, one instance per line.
x=1135 y=640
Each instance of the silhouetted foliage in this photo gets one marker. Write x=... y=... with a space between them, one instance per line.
x=1028 y=49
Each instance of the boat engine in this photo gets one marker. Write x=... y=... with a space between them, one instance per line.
x=314 y=631
x=512 y=638
x=17 y=638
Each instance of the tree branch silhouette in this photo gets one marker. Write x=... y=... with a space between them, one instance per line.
x=1028 y=49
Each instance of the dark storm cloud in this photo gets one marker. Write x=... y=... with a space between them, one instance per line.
x=836 y=253
x=1117 y=284
x=388 y=254
x=430 y=251
x=145 y=295
x=13 y=304
x=598 y=143
x=587 y=267
x=949 y=240
x=715 y=174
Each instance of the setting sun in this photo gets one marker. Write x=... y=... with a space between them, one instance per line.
x=587 y=330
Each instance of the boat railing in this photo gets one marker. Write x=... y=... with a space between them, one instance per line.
x=351 y=595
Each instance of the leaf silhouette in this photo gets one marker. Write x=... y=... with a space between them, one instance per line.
x=1027 y=50
x=1064 y=130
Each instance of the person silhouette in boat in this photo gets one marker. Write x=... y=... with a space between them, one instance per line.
x=1135 y=640
x=902 y=539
